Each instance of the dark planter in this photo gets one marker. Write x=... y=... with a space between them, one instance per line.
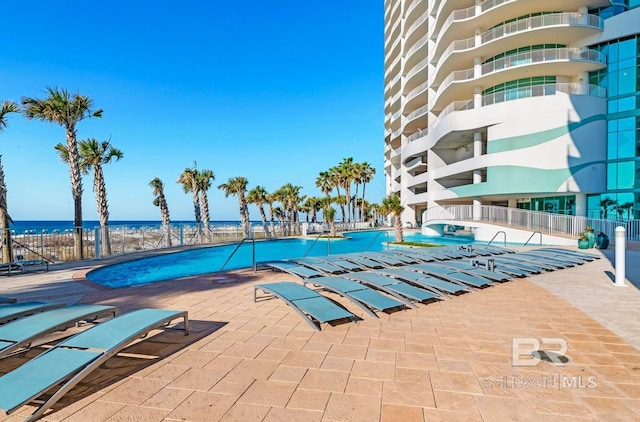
x=602 y=241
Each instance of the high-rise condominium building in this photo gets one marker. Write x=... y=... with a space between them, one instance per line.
x=530 y=104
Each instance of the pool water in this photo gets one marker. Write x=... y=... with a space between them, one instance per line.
x=211 y=259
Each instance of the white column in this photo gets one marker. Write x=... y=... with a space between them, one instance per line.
x=581 y=204
x=620 y=248
x=477 y=97
x=477 y=67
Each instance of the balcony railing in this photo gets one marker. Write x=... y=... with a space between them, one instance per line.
x=418 y=112
x=416 y=135
x=523 y=59
x=418 y=66
x=422 y=41
x=541 y=91
x=548 y=223
x=417 y=90
x=534 y=22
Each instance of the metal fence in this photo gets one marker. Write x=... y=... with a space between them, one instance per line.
x=98 y=243
x=548 y=223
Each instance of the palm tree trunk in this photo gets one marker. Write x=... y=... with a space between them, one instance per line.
x=272 y=219
x=103 y=207
x=166 y=227
x=76 y=190
x=244 y=222
x=7 y=255
x=263 y=217
x=364 y=186
x=205 y=209
x=398 y=226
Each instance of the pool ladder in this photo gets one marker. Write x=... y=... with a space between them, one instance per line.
x=253 y=253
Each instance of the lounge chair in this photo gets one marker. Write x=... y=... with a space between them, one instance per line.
x=70 y=361
x=358 y=293
x=470 y=269
x=347 y=265
x=449 y=274
x=19 y=334
x=313 y=307
x=413 y=253
x=396 y=288
x=18 y=266
x=16 y=310
x=365 y=263
x=514 y=265
x=292 y=268
x=386 y=260
x=405 y=259
x=4 y=300
x=558 y=256
x=522 y=260
x=319 y=265
x=558 y=262
x=432 y=284
x=584 y=255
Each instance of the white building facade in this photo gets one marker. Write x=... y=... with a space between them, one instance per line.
x=512 y=103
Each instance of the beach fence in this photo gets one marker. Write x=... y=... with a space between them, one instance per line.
x=99 y=243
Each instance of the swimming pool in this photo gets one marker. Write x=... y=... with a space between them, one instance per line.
x=208 y=260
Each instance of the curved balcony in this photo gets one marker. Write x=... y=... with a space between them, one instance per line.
x=416 y=119
x=413 y=11
x=411 y=81
x=420 y=45
x=409 y=31
x=544 y=29
x=543 y=90
x=550 y=61
x=392 y=69
x=393 y=51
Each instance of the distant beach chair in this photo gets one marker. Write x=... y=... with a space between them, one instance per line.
x=297 y=270
x=309 y=304
x=396 y=288
x=70 y=361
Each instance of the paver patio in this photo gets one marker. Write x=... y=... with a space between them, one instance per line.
x=450 y=360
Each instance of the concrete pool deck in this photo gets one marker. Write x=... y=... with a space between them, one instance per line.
x=450 y=360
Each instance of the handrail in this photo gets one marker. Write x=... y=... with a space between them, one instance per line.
x=236 y=249
x=30 y=250
x=531 y=237
x=496 y=235
x=313 y=244
x=375 y=238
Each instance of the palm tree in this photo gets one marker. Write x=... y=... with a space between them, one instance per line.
x=258 y=196
x=366 y=175
x=346 y=173
x=312 y=205
x=270 y=199
x=93 y=155
x=391 y=206
x=324 y=182
x=161 y=201
x=7 y=256
x=238 y=186
x=203 y=181
x=189 y=181
x=66 y=109
x=336 y=182
x=330 y=214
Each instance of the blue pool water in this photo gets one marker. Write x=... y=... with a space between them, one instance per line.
x=210 y=259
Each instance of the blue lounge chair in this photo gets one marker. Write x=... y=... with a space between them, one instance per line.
x=319 y=265
x=313 y=307
x=521 y=261
x=347 y=265
x=70 y=361
x=432 y=284
x=292 y=268
x=555 y=261
x=4 y=300
x=584 y=255
x=559 y=256
x=404 y=259
x=470 y=269
x=358 y=293
x=16 y=310
x=365 y=263
x=19 y=334
x=386 y=260
x=396 y=288
x=449 y=274
x=413 y=253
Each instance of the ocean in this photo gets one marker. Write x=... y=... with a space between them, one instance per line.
x=55 y=226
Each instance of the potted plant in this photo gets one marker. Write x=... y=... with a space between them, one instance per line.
x=583 y=241
x=590 y=232
x=602 y=241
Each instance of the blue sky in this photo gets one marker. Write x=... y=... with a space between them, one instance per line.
x=275 y=91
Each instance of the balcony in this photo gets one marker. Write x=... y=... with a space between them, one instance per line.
x=550 y=61
x=568 y=27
